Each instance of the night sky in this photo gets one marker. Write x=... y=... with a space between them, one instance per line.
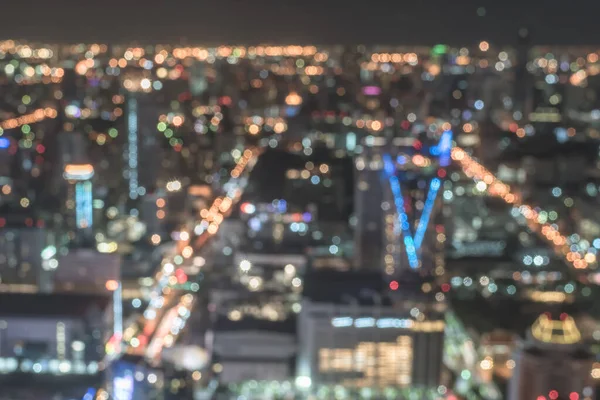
x=301 y=21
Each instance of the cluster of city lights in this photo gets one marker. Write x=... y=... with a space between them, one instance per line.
x=138 y=335
x=532 y=215
x=38 y=115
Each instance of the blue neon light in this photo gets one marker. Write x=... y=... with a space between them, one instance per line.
x=411 y=251
x=434 y=187
x=91 y=392
x=442 y=149
x=411 y=244
x=4 y=143
x=84 y=205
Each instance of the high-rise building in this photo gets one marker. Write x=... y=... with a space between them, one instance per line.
x=368 y=200
x=142 y=153
x=21 y=257
x=397 y=202
x=54 y=334
x=552 y=363
x=254 y=349
x=79 y=203
x=523 y=89
x=363 y=341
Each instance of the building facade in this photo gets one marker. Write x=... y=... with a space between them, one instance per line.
x=362 y=346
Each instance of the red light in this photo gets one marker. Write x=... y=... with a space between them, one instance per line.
x=563 y=316
x=394 y=285
x=541 y=398
x=225 y=101
x=439 y=228
x=40 y=148
x=574 y=396
x=181 y=276
x=418 y=145
x=40 y=223
x=2 y=222
x=247 y=208
x=405 y=125
x=553 y=394
x=441 y=173
x=29 y=222
x=445 y=287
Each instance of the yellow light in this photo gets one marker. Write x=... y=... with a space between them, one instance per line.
x=253 y=129
x=187 y=252
x=293 y=99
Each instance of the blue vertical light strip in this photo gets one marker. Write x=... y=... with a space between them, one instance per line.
x=87 y=204
x=83 y=205
x=434 y=187
x=132 y=146
x=79 y=204
x=409 y=245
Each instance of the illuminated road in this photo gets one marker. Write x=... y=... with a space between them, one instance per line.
x=535 y=217
x=169 y=308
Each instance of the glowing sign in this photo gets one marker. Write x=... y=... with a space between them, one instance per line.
x=78 y=172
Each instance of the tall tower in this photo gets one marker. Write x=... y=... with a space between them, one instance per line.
x=523 y=91
x=369 y=199
x=131 y=154
x=79 y=201
x=142 y=153
x=552 y=363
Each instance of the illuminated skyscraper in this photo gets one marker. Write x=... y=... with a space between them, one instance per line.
x=397 y=202
x=552 y=363
x=364 y=341
x=21 y=252
x=368 y=200
x=131 y=155
x=142 y=155
x=79 y=199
